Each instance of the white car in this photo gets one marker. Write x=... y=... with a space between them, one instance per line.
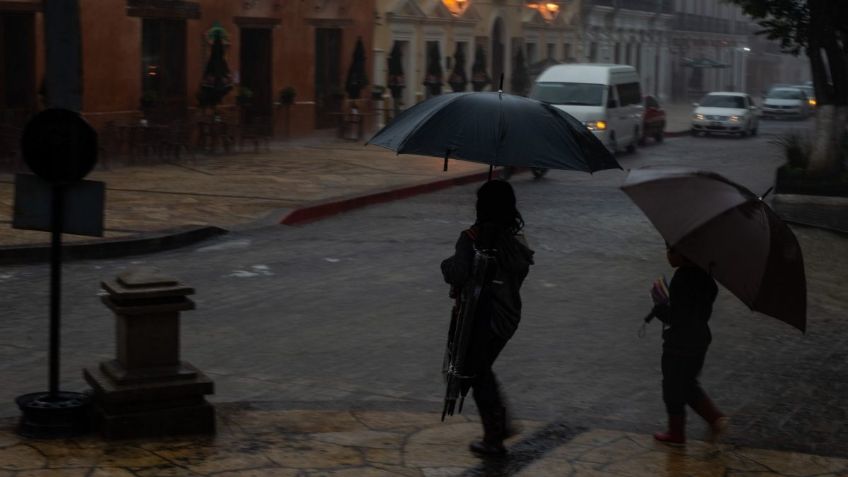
x=781 y=102
x=607 y=99
x=727 y=113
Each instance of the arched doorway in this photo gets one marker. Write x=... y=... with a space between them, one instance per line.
x=497 y=53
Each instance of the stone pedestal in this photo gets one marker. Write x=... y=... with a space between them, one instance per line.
x=147 y=390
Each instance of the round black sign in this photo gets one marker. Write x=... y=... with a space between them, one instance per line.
x=59 y=146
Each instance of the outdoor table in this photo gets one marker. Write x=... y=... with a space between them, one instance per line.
x=142 y=137
x=212 y=133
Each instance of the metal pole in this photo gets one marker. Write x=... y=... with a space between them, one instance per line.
x=56 y=225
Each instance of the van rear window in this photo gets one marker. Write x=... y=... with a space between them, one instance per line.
x=578 y=94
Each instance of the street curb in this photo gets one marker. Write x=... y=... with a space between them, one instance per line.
x=821 y=212
x=111 y=248
x=338 y=205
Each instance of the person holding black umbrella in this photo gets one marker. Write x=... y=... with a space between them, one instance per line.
x=685 y=312
x=496 y=232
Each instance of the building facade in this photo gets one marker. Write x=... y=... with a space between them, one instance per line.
x=413 y=29
x=138 y=50
x=156 y=51
x=631 y=32
x=709 y=48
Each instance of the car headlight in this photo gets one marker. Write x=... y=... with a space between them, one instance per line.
x=698 y=116
x=598 y=125
x=735 y=119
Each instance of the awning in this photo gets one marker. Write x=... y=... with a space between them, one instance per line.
x=702 y=63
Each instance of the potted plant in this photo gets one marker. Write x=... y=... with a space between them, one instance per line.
x=287 y=96
x=286 y=99
x=244 y=95
x=148 y=99
x=377 y=92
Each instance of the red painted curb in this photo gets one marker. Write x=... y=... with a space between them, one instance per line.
x=320 y=210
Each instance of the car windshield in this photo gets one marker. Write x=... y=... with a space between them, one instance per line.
x=582 y=94
x=784 y=94
x=808 y=90
x=721 y=101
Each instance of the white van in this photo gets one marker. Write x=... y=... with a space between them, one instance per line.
x=606 y=98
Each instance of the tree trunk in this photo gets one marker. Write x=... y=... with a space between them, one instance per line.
x=832 y=98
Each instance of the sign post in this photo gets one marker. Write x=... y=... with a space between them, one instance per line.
x=60 y=148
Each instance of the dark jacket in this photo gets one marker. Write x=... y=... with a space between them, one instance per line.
x=692 y=292
x=514 y=258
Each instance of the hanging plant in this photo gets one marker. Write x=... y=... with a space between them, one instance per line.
x=287 y=96
x=244 y=95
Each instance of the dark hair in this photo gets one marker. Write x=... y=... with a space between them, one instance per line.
x=496 y=205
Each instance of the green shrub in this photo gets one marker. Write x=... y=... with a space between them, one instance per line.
x=796 y=148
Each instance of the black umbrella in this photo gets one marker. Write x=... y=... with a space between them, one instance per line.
x=727 y=230
x=356 y=76
x=217 y=81
x=496 y=129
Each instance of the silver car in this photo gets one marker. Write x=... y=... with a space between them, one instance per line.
x=784 y=102
x=727 y=113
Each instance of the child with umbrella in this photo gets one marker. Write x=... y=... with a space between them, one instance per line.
x=685 y=312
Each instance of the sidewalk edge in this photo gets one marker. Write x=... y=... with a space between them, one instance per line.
x=111 y=248
x=322 y=209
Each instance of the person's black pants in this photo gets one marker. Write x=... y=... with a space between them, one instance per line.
x=484 y=350
x=680 y=381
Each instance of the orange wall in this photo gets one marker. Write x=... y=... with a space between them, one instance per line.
x=111 y=60
x=112 y=52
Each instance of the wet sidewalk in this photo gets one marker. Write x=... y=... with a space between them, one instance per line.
x=258 y=440
x=244 y=189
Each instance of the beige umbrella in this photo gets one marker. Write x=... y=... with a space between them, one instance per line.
x=728 y=231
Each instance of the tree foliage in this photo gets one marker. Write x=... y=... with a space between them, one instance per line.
x=819 y=29
x=786 y=21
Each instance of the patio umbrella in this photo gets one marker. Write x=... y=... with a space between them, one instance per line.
x=458 y=79
x=433 y=78
x=479 y=77
x=356 y=76
x=520 y=77
x=496 y=129
x=217 y=81
x=728 y=231
x=395 y=64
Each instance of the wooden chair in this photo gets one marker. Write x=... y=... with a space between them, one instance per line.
x=260 y=129
x=179 y=138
